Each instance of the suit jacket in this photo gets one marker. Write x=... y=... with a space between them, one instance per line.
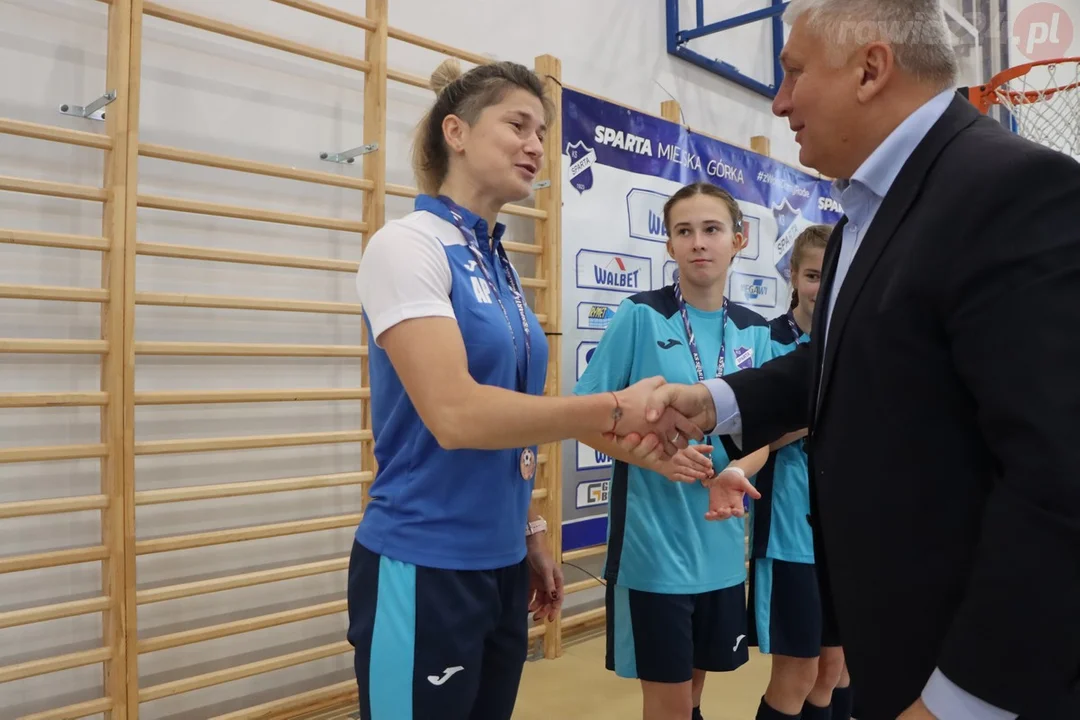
x=944 y=427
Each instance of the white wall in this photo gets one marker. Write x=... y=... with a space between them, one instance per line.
x=211 y=93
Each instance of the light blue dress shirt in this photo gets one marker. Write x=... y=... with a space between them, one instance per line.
x=861 y=196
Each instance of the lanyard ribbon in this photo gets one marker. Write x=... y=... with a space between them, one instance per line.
x=474 y=247
x=795 y=331
x=692 y=343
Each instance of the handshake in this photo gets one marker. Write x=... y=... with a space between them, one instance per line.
x=665 y=415
x=654 y=424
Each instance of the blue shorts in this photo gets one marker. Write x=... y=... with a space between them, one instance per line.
x=658 y=637
x=433 y=643
x=785 y=609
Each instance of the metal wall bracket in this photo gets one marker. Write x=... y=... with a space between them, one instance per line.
x=677 y=40
x=348 y=156
x=541 y=184
x=93 y=111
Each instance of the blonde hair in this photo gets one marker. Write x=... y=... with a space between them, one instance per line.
x=465 y=96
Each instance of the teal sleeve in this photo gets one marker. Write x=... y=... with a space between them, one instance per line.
x=612 y=360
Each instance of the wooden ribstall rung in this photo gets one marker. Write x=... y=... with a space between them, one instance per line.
x=329 y=13
x=45 y=666
x=48 y=292
x=68 y=399
x=54 y=347
x=223 y=162
x=53 y=452
x=396 y=34
x=195 y=397
x=233 y=582
x=58 y=240
x=52 y=133
x=252 y=487
x=587 y=584
x=249 y=442
x=197 y=682
x=43 y=613
x=243 y=303
x=240 y=212
x=210 y=349
x=536 y=631
x=53 y=506
x=411 y=192
x=72 y=712
x=584 y=552
x=329 y=696
x=237 y=627
x=583 y=618
x=173 y=543
x=253 y=36
x=539 y=493
x=408 y=79
x=190 y=252
x=52 y=189
x=525 y=248
x=529 y=282
x=56 y=558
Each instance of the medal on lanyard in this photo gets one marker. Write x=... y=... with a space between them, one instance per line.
x=527 y=463
x=692 y=343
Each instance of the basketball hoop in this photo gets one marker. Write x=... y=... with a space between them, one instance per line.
x=1043 y=99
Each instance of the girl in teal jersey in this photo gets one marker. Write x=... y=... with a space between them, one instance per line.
x=675 y=567
x=786 y=612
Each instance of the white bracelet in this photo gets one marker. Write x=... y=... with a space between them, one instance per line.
x=737 y=469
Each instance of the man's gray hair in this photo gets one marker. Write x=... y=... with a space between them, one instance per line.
x=915 y=29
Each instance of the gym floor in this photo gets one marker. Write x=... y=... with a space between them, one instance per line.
x=577 y=685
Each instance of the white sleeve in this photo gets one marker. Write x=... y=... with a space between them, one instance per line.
x=403 y=274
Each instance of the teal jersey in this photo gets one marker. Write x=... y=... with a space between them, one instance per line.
x=780 y=522
x=658 y=538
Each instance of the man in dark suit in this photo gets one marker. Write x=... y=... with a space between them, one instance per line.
x=941 y=388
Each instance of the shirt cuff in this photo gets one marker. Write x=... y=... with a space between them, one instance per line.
x=728 y=418
x=946 y=701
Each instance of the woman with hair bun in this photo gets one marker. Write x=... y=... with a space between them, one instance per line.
x=449 y=560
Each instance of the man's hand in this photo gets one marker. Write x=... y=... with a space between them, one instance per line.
x=643 y=413
x=545 y=580
x=694 y=402
x=917 y=711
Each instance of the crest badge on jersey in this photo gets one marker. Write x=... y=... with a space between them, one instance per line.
x=582 y=159
x=744 y=358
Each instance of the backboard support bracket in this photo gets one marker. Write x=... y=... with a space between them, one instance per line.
x=677 y=39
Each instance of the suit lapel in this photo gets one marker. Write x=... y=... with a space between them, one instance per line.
x=817 y=338
x=903 y=192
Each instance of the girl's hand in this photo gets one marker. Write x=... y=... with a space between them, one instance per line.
x=691 y=464
x=726 y=491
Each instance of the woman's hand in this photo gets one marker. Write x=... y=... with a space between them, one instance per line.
x=669 y=425
x=545 y=579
